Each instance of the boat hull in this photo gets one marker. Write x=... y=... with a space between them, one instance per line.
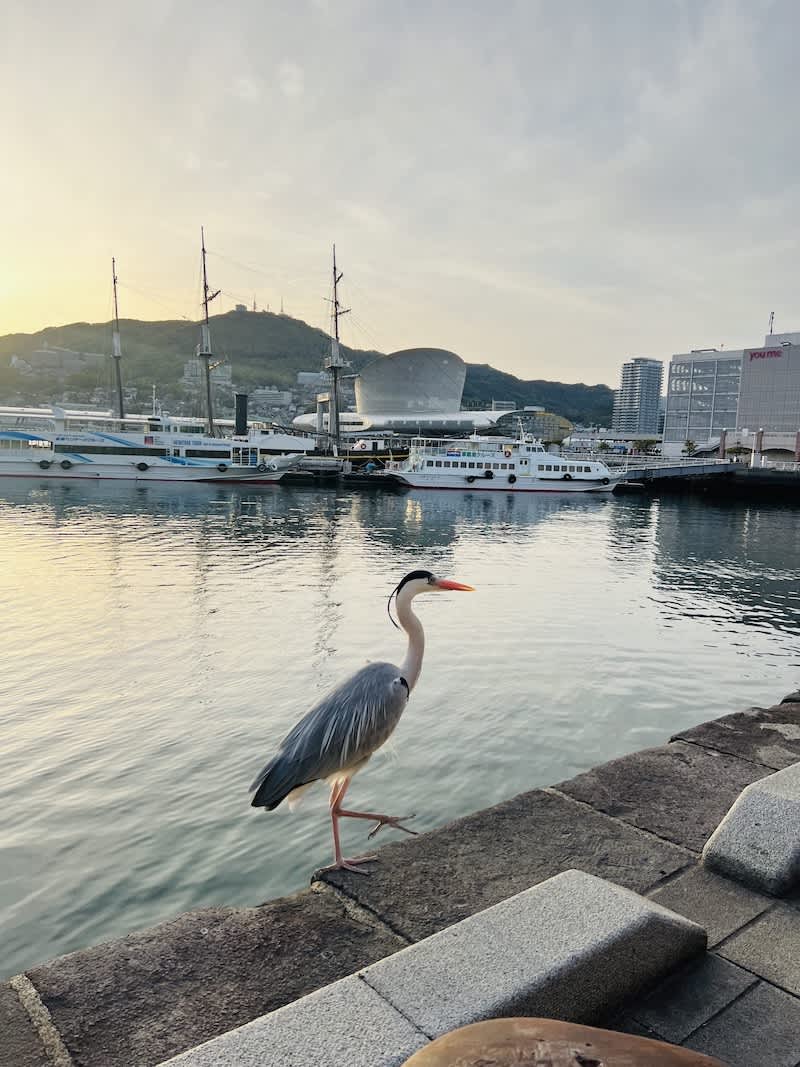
x=129 y=472
x=498 y=485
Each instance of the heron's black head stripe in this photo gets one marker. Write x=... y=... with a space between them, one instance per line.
x=424 y=575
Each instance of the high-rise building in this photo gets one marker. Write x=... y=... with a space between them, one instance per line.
x=636 y=400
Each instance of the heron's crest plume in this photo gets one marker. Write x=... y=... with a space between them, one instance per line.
x=410 y=577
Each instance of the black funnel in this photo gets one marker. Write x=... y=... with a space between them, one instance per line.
x=240 y=428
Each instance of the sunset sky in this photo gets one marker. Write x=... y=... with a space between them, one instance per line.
x=548 y=187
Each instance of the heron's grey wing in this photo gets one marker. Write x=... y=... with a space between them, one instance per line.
x=343 y=729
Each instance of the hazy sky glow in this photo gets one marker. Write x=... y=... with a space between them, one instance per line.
x=548 y=187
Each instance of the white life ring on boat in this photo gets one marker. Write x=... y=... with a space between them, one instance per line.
x=262 y=468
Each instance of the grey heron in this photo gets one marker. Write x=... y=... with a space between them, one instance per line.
x=340 y=733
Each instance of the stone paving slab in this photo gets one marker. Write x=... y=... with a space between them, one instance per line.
x=717 y=904
x=19 y=1045
x=428 y=883
x=678 y=791
x=758 y=841
x=769 y=947
x=155 y=993
x=344 y=1025
x=573 y=947
x=691 y=997
x=769 y=736
x=760 y=1029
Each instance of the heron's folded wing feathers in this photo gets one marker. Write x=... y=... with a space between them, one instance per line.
x=345 y=727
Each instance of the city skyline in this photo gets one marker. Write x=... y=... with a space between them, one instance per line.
x=550 y=190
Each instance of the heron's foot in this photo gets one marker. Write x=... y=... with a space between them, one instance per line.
x=350 y=864
x=392 y=820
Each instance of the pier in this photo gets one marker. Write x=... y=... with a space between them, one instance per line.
x=636 y=825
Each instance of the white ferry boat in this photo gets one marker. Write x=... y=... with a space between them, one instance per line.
x=54 y=442
x=498 y=464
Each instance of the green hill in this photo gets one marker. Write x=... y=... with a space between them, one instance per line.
x=263 y=348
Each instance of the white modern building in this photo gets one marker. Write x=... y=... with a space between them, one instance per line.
x=742 y=393
x=636 y=401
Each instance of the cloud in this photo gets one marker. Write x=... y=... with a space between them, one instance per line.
x=246 y=89
x=291 y=79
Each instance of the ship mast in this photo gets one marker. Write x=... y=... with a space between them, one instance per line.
x=116 y=346
x=335 y=362
x=204 y=348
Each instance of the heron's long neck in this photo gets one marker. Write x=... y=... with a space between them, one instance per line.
x=412 y=664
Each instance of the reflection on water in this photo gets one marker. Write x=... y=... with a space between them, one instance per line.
x=159 y=640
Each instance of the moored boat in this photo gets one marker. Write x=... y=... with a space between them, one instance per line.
x=497 y=464
x=54 y=442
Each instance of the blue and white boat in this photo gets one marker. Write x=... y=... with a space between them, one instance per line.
x=56 y=442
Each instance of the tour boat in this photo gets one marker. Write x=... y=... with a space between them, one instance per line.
x=54 y=442
x=498 y=464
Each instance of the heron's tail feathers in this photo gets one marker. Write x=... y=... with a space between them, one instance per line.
x=275 y=783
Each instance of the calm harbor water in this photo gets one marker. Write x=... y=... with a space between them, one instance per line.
x=160 y=641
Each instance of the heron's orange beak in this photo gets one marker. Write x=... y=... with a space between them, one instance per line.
x=444 y=583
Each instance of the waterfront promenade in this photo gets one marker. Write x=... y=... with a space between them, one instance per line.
x=638 y=822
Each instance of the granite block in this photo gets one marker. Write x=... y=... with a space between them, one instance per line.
x=769 y=947
x=717 y=904
x=692 y=996
x=344 y=1025
x=572 y=948
x=428 y=883
x=678 y=791
x=19 y=1043
x=769 y=736
x=157 y=992
x=760 y=1029
x=758 y=841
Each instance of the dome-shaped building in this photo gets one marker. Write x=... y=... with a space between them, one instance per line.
x=417 y=380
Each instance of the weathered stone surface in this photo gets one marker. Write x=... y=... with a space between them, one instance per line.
x=155 y=993
x=19 y=1043
x=770 y=947
x=717 y=904
x=573 y=947
x=679 y=792
x=758 y=841
x=761 y=1029
x=423 y=885
x=692 y=996
x=770 y=736
x=344 y=1025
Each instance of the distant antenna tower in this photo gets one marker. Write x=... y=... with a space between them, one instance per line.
x=254 y=302
x=281 y=305
x=771 y=320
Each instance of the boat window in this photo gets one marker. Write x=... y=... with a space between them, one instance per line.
x=571 y=468
x=471 y=466
x=587 y=470
x=206 y=453
x=108 y=450
x=549 y=467
x=429 y=463
x=447 y=463
x=438 y=463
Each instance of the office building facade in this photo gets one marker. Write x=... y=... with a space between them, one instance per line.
x=637 y=399
x=749 y=389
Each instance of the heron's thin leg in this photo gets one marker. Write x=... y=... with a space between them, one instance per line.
x=373 y=816
x=338 y=790
x=382 y=820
